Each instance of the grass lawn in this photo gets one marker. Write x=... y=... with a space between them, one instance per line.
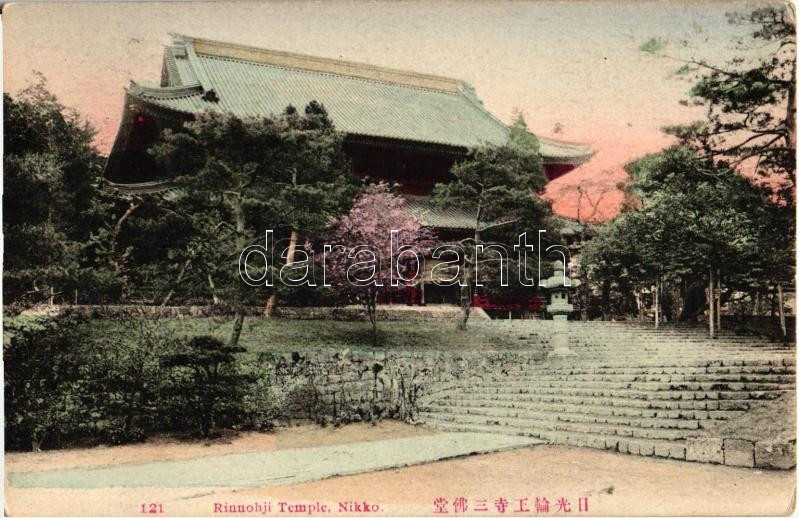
x=262 y=334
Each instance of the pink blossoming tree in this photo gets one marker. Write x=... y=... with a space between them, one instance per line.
x=359 y=262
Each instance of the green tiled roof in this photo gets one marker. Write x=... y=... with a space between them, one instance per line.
x=437 y=217
x=554 y=150
x=356 y=105
x=360 y=99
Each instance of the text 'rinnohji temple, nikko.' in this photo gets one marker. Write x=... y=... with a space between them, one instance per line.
x=403 y=127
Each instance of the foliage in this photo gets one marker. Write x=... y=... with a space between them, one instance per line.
x=652 y=45
x=750 y=101
x=128 y=376
x=70 y=379
x=51 y=202
x=207 y=378
x=696 y=217
x=239 y=177
x=499 y=185
x=43 y=377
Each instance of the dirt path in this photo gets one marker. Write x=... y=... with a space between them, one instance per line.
x=274 y=468
x=612 y=483
x=302 y=436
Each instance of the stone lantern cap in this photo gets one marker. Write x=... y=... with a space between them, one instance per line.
x=556 y=281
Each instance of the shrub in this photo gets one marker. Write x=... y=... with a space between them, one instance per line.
x=44 y=381
x=258 y=405
x=70 y=379
x=128 y=375
x=207 y=379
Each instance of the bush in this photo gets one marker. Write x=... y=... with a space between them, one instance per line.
x=208 y=380
x=71 y=380
x=44 y=382
x=258 y=405
x=128 y=376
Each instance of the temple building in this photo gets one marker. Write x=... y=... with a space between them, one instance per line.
x=404 y=127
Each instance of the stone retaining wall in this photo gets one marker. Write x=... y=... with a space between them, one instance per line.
x=741 y=452
x=395 y=312
x=356 y=385
x=348 y=313
x=332 y=387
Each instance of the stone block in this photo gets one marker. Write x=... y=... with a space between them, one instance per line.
x=677 y=451
x=739 y=452
x=662 y=450
x=775 y=455
x=704 y=449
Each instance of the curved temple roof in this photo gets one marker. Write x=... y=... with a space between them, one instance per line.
x=362 y=100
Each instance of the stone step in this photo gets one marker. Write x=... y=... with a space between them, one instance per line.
x=630 y=388
x=664 y=423
x=628 y=339
x=635 y=345
x=599 y=362
x=651 y=370
x=664 y=348
x=634 y=446
x=682 y=386
x=654 y=404
x=554 y=425
x=629 y=393
x=593 y=337
x=632 y=363
x=661 y=346
x=529 y=377
x=445 y=405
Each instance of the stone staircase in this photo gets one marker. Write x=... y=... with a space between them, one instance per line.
x=632 y=389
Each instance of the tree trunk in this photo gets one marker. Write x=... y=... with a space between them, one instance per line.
x=718 y=300
x=657 y=304
x=790 y=121
x=781 y=308
x=469 y=271
x=605 y=301
x=371 y=311
x=638 y=306
x=271 y=302
x=773 y=302
x=241 y=242
x=466 y=299
x=119 y=262
x=373 y=320
x=711 y=303
x=212 y=287
x=180 y=278
x=238 y=325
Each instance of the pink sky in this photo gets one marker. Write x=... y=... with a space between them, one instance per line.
x=574 y=64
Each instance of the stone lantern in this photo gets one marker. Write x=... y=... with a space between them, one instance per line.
x=559 y=307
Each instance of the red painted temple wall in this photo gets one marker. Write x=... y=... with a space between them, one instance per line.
x=415 y=172
x=554 y=171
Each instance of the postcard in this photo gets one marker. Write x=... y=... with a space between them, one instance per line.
x=371 y=258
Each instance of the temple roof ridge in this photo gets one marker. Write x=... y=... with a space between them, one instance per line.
x=298 y=61
x=554 y=148
x=365 y=101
